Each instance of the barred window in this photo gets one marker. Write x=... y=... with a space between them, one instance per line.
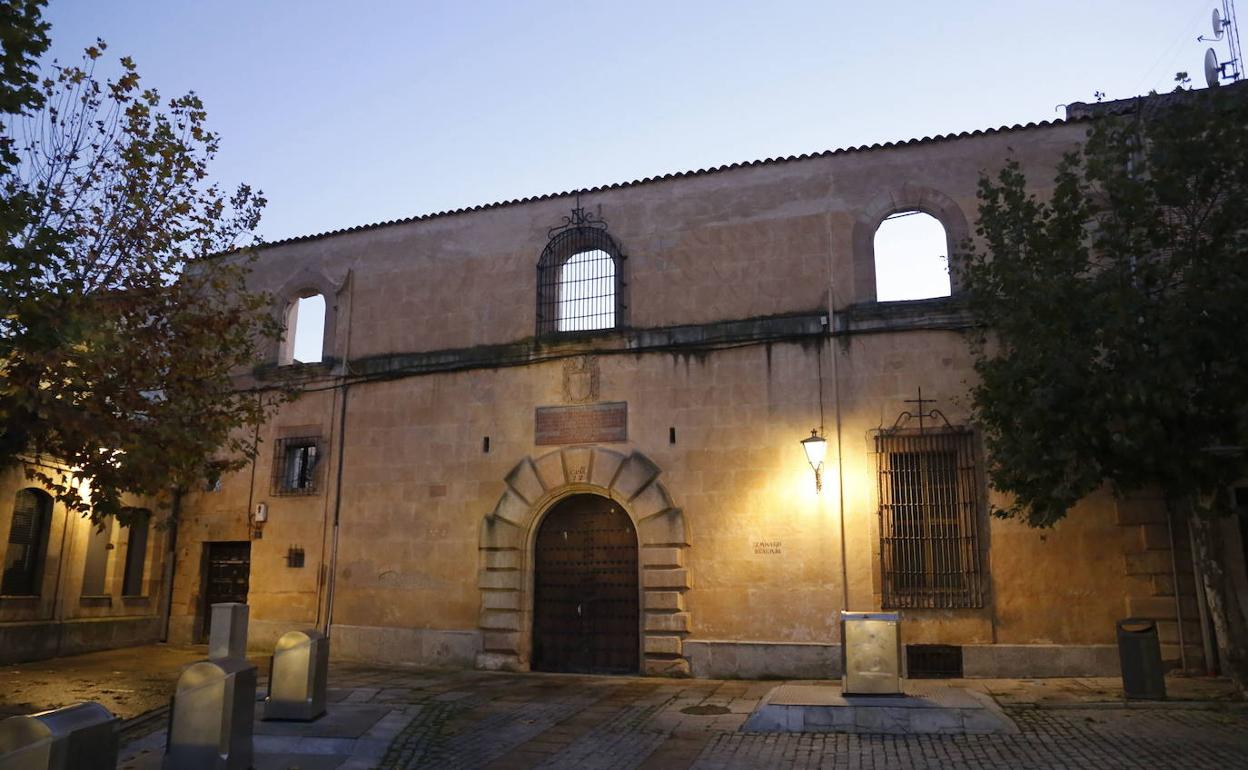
x=295 y=466
x=579 y=281
x=929 y=544
x=28 y=539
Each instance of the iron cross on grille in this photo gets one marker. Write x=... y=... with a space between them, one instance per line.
x=920 y=401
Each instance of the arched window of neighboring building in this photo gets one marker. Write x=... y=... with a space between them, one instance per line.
x=304 y=339
x=95 y=567
x=136 y=553
x=28 y=543
x=579 y=278
x=911 y=257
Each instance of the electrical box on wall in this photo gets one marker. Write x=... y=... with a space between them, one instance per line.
x=262 y=512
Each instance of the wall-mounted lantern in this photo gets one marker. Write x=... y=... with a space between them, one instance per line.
x=816 y=448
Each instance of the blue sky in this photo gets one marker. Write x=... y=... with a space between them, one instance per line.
x=350 y=113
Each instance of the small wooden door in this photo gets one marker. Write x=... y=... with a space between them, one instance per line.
x=585 y=599
x=228 y=573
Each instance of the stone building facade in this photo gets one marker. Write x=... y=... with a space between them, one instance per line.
x=426 y=498
x=69 y=586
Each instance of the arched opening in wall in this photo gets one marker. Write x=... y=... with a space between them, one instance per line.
x=585 y=589
x=911 y=257
x=587 y=292
x=24 y=555
x=304 y=340
x=580 y=279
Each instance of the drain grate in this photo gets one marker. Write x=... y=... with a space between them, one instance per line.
x=704 y=711
x=933 y=661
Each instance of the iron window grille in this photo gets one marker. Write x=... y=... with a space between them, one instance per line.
x=295 y=466
x=580 y=283
x=929 y=515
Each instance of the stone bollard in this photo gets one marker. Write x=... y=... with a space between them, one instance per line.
x=298 y=677
x=211 y=713
x=78 y=737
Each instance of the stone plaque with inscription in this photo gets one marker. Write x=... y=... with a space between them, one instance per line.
x=589 y=424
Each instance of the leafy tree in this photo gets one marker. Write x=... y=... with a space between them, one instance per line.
x=118 y=349
x=1115 y=316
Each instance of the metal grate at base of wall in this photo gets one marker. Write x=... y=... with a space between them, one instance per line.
x=933 y=661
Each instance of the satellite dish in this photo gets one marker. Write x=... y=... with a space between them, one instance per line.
x=1213 y=70
x=1217 y=25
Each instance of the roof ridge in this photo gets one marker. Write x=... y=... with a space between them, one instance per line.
x=676 y=175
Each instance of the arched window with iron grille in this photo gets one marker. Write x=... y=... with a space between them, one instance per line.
x=580 y=278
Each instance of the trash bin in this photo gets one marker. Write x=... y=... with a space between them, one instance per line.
x=1139 y=654
x=298 y=677
x=78 y=737
x=871 y=653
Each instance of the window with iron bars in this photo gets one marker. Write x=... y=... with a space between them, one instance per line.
x=929 y=513
x=579 y=281
x=295 y=465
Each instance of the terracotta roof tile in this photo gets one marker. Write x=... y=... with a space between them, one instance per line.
x=679 y=175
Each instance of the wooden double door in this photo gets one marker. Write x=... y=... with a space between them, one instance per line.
x=586 y=597
x=227 y=576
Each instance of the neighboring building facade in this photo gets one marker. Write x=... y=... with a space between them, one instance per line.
x=69 y=586
x=563 y=433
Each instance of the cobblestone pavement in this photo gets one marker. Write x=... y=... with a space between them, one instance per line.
x=516 y=722
x=127 y=682
x=470 y=719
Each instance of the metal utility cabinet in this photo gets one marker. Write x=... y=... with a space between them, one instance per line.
x=871 y=653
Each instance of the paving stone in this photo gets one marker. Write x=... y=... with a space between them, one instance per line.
x=507 y=721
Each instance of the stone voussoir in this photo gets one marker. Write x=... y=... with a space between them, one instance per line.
x=672 y=579
x=670 y=622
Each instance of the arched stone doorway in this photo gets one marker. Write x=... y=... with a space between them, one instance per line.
x=508 y=543
x=585 y=593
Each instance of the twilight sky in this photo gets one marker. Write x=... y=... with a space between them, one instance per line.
x=350 y=113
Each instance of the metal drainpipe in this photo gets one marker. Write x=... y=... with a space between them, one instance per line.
x=58 y=600
x=836 y=411
x=333 y=551
x=171 y=564
x=1206 y=644
x=1174 y=574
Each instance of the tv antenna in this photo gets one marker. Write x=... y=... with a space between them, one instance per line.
x=1223 y=23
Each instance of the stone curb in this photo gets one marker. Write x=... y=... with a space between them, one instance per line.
x=1134 y=705
x=144 y=724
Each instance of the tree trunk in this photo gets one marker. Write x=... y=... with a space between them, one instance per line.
x=1229 y=625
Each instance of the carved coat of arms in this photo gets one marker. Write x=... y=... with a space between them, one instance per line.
x=580 y=380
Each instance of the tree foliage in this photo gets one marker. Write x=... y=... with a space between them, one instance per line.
x=118 y=349
x=1116 y=312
